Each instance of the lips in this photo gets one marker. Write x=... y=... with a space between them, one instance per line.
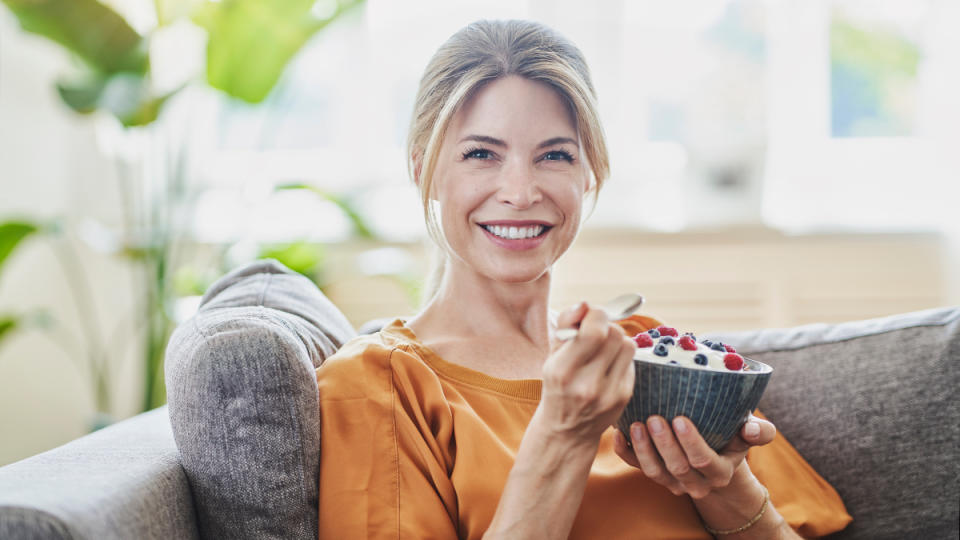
x=513 y=232
x=516 y=235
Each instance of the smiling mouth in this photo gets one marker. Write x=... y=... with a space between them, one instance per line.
x=516 y=233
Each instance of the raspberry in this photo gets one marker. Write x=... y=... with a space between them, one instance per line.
x=643 y=340
x=687 y=343
x=729 y=348
x=667 y=331
x=733 y=361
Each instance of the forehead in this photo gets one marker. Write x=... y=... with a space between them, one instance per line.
x=515 y=109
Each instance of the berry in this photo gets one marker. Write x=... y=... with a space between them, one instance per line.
x=673 y=362
x=653 y=332
x=667 y=340
x=700 y=359
x=733 y=361
x=660 y=350
x=718 y=347
x=729 y=348
x=667 y=331
x=707 y=342
x=643 y=340
x=687 y=343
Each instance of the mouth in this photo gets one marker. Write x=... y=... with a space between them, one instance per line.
x=515 y=232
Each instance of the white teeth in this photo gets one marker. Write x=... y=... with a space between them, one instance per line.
x=515 y=233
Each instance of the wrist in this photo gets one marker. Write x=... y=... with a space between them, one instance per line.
x=741 y=509
x=548 y=441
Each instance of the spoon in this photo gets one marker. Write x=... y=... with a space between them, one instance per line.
x=617 y=309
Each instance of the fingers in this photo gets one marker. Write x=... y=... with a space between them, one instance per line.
x=755 y=432
x=571 y=317
x=678 y=458
x=714 y=471
x=758 y=432
x=597 y=338
x=648 y=460
x=693 y=465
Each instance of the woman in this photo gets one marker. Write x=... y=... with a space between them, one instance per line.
x=469 y=420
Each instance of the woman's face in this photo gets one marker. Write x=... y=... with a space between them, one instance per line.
x=510 y=180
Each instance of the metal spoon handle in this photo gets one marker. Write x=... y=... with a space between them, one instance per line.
x=616 y=309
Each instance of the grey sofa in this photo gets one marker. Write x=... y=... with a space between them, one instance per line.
x=871 y=404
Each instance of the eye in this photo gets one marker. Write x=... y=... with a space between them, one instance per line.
x=477 y=153
x=556 y=155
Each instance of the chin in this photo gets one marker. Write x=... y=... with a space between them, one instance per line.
x=518 y=273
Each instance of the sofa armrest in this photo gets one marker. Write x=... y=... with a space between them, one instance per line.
x=124 y=481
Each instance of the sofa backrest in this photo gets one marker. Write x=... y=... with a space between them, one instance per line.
x=243 y=401
x=872 y=406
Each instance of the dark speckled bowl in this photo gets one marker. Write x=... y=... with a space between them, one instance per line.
x=717 y=402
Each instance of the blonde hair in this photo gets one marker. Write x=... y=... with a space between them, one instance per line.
x=478 y=54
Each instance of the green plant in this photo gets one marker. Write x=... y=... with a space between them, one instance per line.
x=12 y=234
x=249 y=44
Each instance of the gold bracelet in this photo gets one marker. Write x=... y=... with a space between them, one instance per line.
x=747 y=525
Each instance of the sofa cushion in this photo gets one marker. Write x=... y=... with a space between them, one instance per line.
x=243 y=401
x=872 y=406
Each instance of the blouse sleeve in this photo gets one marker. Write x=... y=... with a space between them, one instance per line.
x=809 y=504
x=384 y=447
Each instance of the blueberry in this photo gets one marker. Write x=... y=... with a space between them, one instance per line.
x=654 y=333
x=707 y=342
x=718 y=347
x=660 y=350
x=700 y=359
x=667 y=340
x=673 y=362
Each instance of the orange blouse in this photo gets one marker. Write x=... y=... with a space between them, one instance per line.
x=413 y=446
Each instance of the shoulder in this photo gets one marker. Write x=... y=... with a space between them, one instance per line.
x=635 y=324
x=366 y=364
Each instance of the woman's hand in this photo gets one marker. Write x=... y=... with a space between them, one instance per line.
x=588 y=380
x=680 y=460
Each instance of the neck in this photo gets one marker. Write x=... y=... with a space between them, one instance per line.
x=469 y=305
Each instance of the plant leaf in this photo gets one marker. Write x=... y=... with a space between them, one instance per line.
x=8 y=323
x=169 y=11
x=89 y=29
x=82 y=95
x=302 y=257
x=251 y=41
x=11 y=234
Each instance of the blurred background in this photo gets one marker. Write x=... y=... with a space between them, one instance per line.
x=774 y=163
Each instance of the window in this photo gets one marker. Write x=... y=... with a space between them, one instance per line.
x=821 y=114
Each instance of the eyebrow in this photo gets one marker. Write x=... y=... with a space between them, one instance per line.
x=498 y=142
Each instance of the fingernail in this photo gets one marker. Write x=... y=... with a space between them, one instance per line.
x=752 y=430
x=656 y=426
x=679 y=425
x=636 y=432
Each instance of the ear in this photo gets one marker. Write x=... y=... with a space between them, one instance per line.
x=417 y=158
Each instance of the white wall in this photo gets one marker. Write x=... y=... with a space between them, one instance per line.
x=50 y=167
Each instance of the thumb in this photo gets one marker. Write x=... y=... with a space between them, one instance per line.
x=571 y=317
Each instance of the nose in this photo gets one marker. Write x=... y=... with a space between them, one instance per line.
x=518 y=186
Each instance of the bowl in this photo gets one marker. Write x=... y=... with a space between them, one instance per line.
x=717 y=402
